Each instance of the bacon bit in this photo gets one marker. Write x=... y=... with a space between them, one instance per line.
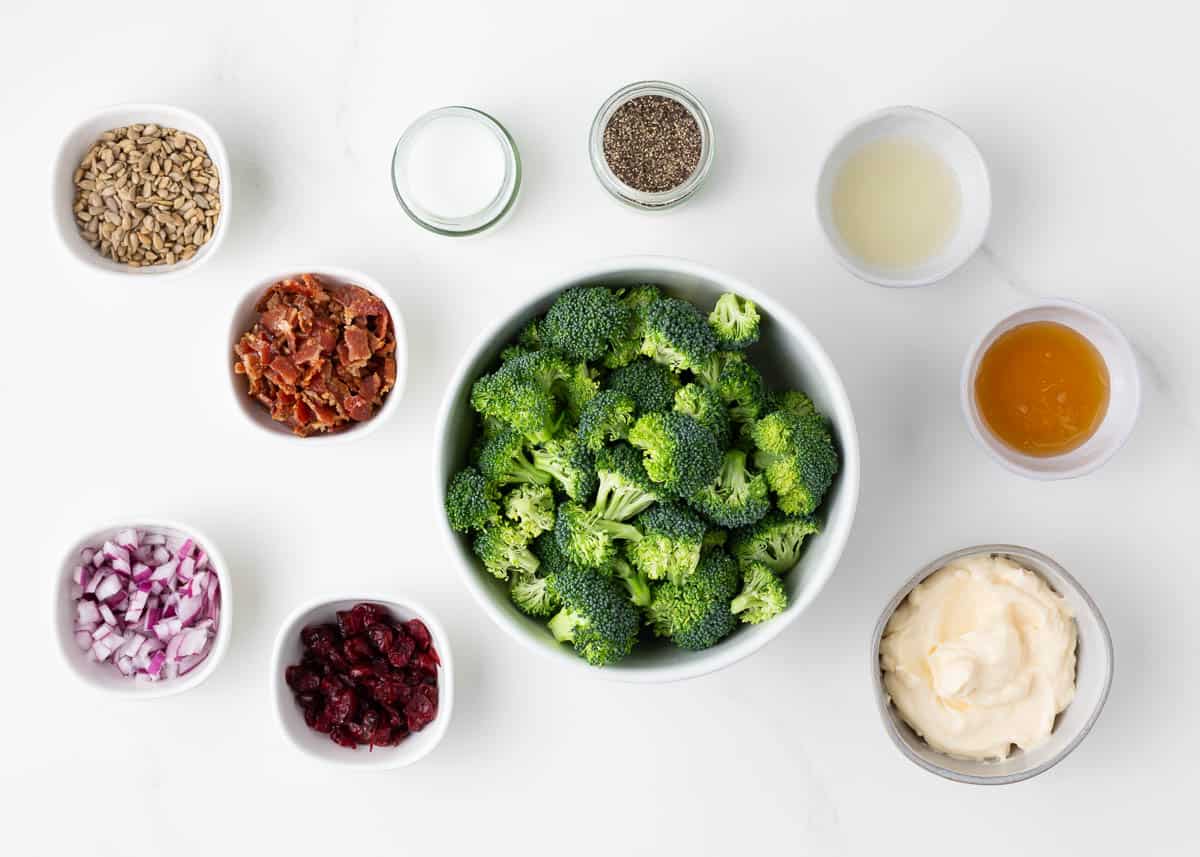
x=318 y=357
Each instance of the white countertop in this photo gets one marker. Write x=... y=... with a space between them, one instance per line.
x=116 y=402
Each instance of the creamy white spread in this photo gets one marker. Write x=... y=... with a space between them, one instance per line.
x=979 y=657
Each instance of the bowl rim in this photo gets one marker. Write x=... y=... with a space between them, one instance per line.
x=928 y=116
x=883 y=701
x=334 y=272
x=437 y=728
x=1025 y=465
x=728 y=652
x=152 y=273
x=174 y=686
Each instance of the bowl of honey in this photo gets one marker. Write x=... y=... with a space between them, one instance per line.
x=1052 y=391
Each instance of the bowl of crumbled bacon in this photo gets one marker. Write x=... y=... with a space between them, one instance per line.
x=318 y=355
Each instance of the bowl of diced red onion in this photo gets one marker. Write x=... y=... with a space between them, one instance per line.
x=402 y=642
x=143 y=609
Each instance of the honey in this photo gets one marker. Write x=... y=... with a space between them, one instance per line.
x=1042 y=388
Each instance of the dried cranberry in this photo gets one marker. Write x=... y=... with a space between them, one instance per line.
x=426 y=662
x=382 y=737
x=330 y=685
x=401 y=652
x=417 y=630
x=308 y=700
x=319 y=638
x=420 y=712
x=381 y=637
x=350 y=623
x=357 y=649
x=371 y=614
x=341 y=735
x=342 y=705
x=302 y=680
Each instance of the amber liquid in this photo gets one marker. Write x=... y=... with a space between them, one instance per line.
x=1042 y=388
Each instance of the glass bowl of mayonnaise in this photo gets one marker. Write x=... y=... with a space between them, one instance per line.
x=990 y=665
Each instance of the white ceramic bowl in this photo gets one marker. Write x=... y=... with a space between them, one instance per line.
x=104 y=677
x=76 y=144
x=317 y=745
x=1124 y=392
x=789 y=356
x=243 y=318
x=960 y=154
x=1093 y=677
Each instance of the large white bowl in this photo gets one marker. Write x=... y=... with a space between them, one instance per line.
x=789 y=355
x=75 y=145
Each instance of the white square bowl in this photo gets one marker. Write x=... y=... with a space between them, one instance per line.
x=75 y=145
x=317 y=745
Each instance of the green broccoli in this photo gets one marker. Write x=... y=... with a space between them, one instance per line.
x=776 y=541
x=504 y=549
x=677 y=335
x=530 y=336
x=502 y=460
x=512 y=352
x=571 y=465
x=517 y=400
x=597 y=617
x=629 y=346
x=740 y=386
x=706 y=406
x=634 y=580
x=587 y=539
x=607 y=417
x=695 y=613
x=736 y=497
x=799 y=459
x=678 y=452
x=735 y=321
x=470 y=503
x=553 y=560
x=762 y=597
x=793 y=402
x=585 y=322
x=531 y=508
x=624 y=488
x=578 y=389
x=651 y=386
x=669 y=548
x=533 y=595
x=714 y=539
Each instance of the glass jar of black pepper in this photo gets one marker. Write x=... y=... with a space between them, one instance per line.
x=651 y=144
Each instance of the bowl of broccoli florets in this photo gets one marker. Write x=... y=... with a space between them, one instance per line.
x=648 y=470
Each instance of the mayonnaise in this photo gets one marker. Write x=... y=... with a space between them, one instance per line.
x=979 y=657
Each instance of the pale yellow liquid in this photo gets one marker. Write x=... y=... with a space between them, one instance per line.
x=895 y=203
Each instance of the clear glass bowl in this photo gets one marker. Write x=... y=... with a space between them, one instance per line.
x=659 y=200
x=471 y=224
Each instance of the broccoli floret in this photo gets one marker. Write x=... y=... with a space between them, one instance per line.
x=677 y=335
x=570 y=383
x=533 y=595
x=799 y=458
x=512 y=352
x=735 y=321
x=706 y=406
x=762 y=597
x=669 y=548
x=651 y=386
x=503 y=461
x=571 y=465
x=607 y=417
x=597 y=617
x=504 y=549
x=578 y=389
x=531 y=508
x=793 y=402
x=714 y=539
x=634 y=580
x=629 y=346
x=516 y=399
x=553 y=560
x=585 y=322
x=470 y=503
x=695 y=613
x=736 y=497
x=678 y=452
x=740 y=386
x=776 y=541
x=530 y=336
x=587 y=539
x=624 y=489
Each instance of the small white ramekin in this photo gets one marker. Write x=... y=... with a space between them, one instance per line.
x=961 y=155
x=1124 y=392
x=243 y=318
x=318 y=745
x=103 y=677
x=75 y=145
x=1093 y=677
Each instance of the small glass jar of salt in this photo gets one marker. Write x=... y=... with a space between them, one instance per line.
x=456 y=171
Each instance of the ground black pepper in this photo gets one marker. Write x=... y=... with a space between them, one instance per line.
x=652 y=143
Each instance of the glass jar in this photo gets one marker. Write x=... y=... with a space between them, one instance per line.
x=468 y=223
x=651 y=200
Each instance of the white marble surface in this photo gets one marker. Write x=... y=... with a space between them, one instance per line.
x=115 y=401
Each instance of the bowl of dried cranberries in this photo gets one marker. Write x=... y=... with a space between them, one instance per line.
x=364 y=681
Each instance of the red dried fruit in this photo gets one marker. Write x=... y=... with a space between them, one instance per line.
x=350 y=623
x=371 y=614
x=419 y=712
x=358 y=649
x=426 y=662
x=302 y=680
x=381 y=637
x=417 y=630
x=341 y=735
x=401 y=652
x=342 y=705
